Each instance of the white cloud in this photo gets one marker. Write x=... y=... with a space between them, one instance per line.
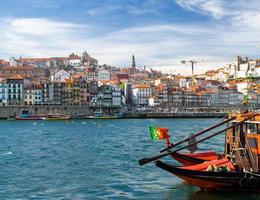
x=248 y=19
x=155 y=44
x=40 y=26
x=241 y=13
x=213 y=7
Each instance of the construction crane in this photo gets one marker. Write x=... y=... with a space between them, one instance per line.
x=192 y=68
x=192 y=65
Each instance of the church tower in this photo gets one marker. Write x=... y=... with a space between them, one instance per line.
x=133 y=62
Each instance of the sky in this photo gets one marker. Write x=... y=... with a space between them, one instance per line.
x=160 y=33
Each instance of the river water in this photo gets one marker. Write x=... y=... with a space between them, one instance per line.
x=95 y=159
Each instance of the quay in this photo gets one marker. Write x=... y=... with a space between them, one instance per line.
x=176 y=115
x=81 y=112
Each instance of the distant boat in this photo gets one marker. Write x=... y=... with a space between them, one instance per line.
x=11 y=118
x=57 y=117
x=101 y=115
x=25 y=115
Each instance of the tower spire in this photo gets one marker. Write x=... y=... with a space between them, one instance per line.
x=133 y=61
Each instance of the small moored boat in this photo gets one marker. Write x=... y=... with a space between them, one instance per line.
x=57 y=117
x=101 y=115
x=26 y=116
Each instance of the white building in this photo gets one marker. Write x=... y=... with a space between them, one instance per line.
x=153 y=101
x=32 y=96
x=60 y=75
x=245 y=67
x=184 y=83
x=257 y=71
x=141 y=94
x=15 y=90
x=13 y=62
x=243 y=70
x=116 y=96
x=3 y=92
x=103 y=75
x=91 y=76
x=74 y=60
x=243 y=87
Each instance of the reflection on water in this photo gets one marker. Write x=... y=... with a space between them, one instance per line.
x=220 y=195
x=180 y=191
x=184 y=191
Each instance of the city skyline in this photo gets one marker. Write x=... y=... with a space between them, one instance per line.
x=156 y=32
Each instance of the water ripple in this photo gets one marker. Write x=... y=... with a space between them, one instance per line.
x=93 y=159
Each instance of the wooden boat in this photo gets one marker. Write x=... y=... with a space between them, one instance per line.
x=26 y=116
x=101 y=115
x=220 y=180
x=241 y=158
x=188 y=159
x=57 y=117
x=30 y=118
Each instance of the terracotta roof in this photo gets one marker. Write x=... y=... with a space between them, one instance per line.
x=16 y=77
x=109 y=81
x=18 y=68
x=74 y=57
x=34 y=59
x=59 y=58
x=142 y=86
x=78 y=75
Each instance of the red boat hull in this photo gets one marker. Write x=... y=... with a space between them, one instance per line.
x=189 y=159
x=234 y=181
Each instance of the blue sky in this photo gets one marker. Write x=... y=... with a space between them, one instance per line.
x=158 y=32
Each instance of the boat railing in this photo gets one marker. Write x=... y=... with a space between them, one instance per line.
x=239 y=152
x=250 y=154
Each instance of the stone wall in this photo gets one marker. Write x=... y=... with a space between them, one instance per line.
x=74 y=111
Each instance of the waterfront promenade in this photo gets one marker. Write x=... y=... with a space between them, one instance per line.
x=83 y=112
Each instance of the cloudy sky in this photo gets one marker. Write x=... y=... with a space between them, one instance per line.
x=158 y=32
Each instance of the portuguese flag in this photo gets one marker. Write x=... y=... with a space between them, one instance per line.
x=158 y=133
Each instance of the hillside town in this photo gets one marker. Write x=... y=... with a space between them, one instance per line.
x=81 y=81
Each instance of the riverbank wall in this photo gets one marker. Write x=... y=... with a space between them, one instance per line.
x=84 y=111
x=74 y=111
x=177 y=115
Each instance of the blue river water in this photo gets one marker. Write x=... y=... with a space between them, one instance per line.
x=95 y=159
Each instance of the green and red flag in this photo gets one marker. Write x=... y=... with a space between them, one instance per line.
x=158 y=133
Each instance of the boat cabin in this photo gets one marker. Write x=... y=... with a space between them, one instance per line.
x=242 y=142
